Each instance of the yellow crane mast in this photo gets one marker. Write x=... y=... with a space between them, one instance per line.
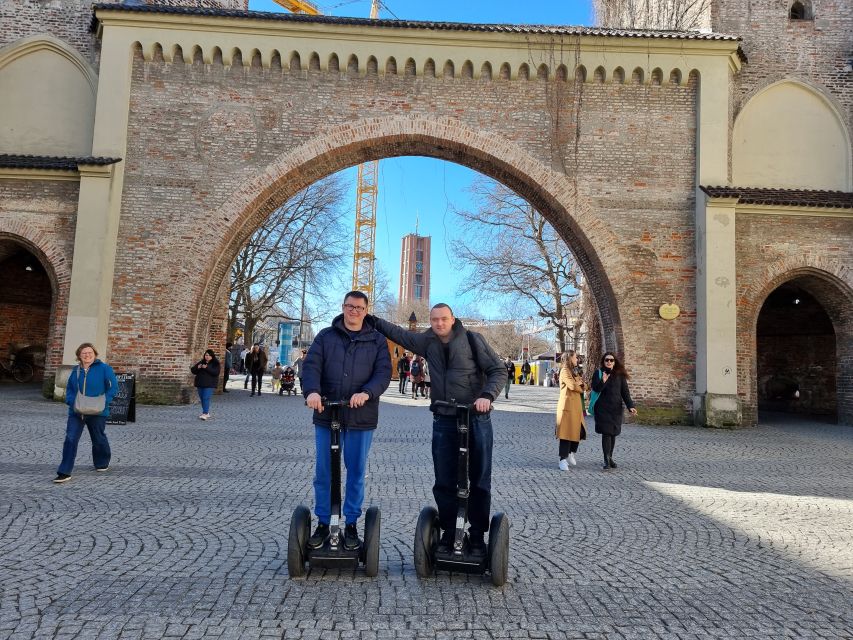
x=364 y=251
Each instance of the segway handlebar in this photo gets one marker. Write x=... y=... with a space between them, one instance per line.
x=453 y=405
x=331 y=403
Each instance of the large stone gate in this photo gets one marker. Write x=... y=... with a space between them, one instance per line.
x=204 y=120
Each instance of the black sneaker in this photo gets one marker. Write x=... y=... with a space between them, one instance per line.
x=61 y=477
x=445 y=544
x=612 y=464
x=319 y=537
x=351 y=540
x=477 y=544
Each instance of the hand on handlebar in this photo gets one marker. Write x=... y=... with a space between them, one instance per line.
x=314 y=401
x=358 y=400
x=482 y=405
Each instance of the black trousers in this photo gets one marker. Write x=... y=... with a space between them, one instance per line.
x=257 y=378
x=225 y=377
x=567 y=447
x=607 y=444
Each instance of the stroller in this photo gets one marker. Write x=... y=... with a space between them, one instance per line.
x=288 y=382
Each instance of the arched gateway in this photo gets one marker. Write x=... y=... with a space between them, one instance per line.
x=219 y=116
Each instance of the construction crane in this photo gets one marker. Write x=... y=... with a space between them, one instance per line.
x=299 y=6
x=364 y=250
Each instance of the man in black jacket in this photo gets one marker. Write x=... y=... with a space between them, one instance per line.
x=347 y=361
x=463 y=368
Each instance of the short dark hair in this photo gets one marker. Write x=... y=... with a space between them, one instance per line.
x=228 y=345
x=359 y=295
x=442 y=305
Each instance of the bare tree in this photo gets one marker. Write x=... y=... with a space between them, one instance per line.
x=301 y=240
x=673 y=15
x=512 y=252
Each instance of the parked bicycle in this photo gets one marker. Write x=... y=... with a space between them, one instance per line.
x=20 y=371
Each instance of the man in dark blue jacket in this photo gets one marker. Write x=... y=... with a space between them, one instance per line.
x=348 y=360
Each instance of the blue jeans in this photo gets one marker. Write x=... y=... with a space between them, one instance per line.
x=100 y=444
x=205 y=394
x=355 y=445
x=445 y=452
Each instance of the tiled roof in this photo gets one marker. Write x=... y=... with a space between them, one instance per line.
x=57 y=163
x=784 y=197
x=526 y=29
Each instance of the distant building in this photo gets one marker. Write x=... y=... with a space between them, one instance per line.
x=414 y=269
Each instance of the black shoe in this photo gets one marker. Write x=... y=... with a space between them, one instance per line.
x=245 y=386
x=225 y=391
x=606 y=465
x=319 y=537
x=612 y=464
x=61 y=477
x=476 y=544
x=445 y=544
x=351 y=540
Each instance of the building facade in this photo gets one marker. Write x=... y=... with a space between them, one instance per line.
x=692 y=175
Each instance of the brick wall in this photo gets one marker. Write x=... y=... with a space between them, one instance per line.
x=25 y=304
x=815 y=254
x=814 y=51
x=215 y=129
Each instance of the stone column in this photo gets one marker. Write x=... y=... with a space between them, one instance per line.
x=716 y=403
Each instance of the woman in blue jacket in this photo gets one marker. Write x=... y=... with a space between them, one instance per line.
x=347 y=361
x=93 y=378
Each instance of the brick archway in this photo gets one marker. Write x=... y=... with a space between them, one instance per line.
x=57 y=266
x=830 y=284
x=336 y=148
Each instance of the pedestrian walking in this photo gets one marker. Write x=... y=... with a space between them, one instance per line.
x=347 y=361
x=297 y=367
x=525 y=372
x=206 y=372
x=426 y=384
x=610 y=382
x=277 y=372
x=465 y=369
x=416 y=374
x=229 y=362
x=89 y=391
x=256 y=365
x=570 y=424
x=404 y=366
x=510 y=375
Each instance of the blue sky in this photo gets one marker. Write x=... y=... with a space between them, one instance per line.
x=424 y=187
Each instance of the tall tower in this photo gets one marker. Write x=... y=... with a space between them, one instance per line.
x=414 y=268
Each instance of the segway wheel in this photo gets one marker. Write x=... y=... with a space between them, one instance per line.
x=370 y=550
x=426 y=538
x=499 y=549
x=297 y=541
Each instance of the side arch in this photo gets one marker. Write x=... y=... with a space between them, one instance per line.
x=831 y=283
x=339 y=147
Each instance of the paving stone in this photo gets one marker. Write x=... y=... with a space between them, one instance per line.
x=697 y=534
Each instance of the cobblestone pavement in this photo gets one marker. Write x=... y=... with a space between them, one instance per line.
x=697 y=534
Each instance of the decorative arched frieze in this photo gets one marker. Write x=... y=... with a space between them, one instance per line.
x=467 y=70
x=391 y=66
x=449 y=70
x=600 y=75
x=619 y=75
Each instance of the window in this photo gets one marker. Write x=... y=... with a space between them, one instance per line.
x=419 y=279
x=419 y=256
x=419 y=267
x=419 y=292
x=799 y=11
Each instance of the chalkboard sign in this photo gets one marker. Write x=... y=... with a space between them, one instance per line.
x=123 y=406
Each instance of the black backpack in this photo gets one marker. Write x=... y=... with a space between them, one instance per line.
x=416 y=368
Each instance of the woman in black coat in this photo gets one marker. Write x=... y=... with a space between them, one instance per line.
x=611 y=383
x=206 y=373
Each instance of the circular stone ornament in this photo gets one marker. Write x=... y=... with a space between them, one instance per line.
x=669 y=311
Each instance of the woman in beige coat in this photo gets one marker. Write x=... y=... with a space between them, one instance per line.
x=570 y=425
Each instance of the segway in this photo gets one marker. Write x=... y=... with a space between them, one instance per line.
x=333 y=554
x=460 y=558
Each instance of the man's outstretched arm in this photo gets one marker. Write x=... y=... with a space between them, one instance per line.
x=411 y=340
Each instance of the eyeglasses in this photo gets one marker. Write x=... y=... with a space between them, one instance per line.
x=609 y=360
x=352 y=307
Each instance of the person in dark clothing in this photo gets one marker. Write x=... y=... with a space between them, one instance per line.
x=347 y=361
x=229 y=362
x=510 y=375
x=206 y=372
x=404 y=366
x=463 y=368
x=525 y=372
x=256 y=365
x=611 y=384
